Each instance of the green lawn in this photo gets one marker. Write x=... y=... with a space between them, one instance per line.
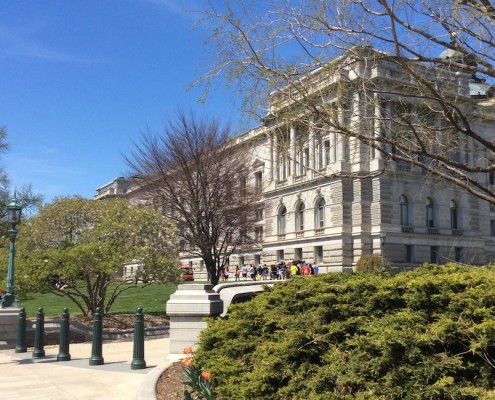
x=151 y=298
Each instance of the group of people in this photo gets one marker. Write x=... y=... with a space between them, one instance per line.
x=281 y=271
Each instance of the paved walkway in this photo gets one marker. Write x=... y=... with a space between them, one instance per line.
x=22 y=377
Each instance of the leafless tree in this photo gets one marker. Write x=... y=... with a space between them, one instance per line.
x=29 y=200
x=432 y=61
x=198 y=177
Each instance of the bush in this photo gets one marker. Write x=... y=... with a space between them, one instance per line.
x=425 y=334
x=372 y=263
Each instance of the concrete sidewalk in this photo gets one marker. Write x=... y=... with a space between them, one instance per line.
x=22 y=377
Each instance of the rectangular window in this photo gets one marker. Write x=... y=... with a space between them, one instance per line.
x=241 y=261
x=298 y=254
x=434 y=254
x=258 y=181
x=259 y=214
x=201 y=265
x=453 y=218
x=404 y=213
x=492 y=227
x=258 y=233
x=458 y=254
x=242 y=235
x=190 y=264
x=280 y=255
x=430 y=221
x=318 y=251
x=257 y=259
x=243 y=186
x=409 y=253
x=491 y=178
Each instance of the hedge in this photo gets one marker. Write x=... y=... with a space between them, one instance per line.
x=425 y=334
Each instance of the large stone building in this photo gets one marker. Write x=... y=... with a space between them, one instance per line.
x=330 y=198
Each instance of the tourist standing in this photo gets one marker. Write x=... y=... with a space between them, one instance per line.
x=316 y=269
x=253 y=272
x=293 y=270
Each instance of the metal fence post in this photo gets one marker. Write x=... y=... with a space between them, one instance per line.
x=63 y=348
x=39 y=335
x=138 y=361
x=21 y=332
x=96 y=348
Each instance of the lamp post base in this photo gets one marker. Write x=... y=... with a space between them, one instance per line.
x=9 y=300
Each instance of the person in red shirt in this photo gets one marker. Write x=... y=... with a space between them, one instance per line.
x=305 y=270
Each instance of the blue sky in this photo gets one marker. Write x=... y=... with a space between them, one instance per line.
x=81 y=79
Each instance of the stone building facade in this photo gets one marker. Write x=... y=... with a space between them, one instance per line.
x=331 y=199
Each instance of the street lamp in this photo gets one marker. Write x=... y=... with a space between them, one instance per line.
x=383 y=236
x=14 y=210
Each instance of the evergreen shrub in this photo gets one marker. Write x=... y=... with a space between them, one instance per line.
x=372 y=263
x=425 y=334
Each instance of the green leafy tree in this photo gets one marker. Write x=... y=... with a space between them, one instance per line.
x=76 y=248
x=425 y=334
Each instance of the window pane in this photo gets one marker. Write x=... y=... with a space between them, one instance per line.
x=321 y=214
x=281 y=220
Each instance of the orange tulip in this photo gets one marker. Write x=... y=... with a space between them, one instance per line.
x=206 y=375
x=187 y=350
x=187 y=361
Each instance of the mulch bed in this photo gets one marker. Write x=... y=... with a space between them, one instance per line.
x=118 y=322
x=169 y=385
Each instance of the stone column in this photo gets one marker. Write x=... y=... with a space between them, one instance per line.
x=187 y=309
x=333 y=147
x=292 y=150
x=378 y=126
x=388 y=115
x=312 y=145
x=271 y=175
x=341 y=138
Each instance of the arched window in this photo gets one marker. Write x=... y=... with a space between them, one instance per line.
x=282 y=214
x=454 y=215
x=300 y=217
x=430 y=213
x=404 y=211
x=320 y=213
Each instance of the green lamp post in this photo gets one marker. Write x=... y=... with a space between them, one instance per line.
x=14 y=210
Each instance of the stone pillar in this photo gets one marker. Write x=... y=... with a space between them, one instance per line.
x=333 y=147
x=292 y=150
x=312 y=163
x=341 y=140
x=187 y=309
x=378 y=126
x=388 y=116
x=271 y=165
x=8 y=327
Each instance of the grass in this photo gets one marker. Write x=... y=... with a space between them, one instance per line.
x=151 y=299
